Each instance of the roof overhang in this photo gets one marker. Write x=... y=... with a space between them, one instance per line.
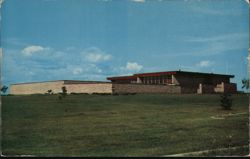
x=151 y=74
x=122 y=78
x=155 y=74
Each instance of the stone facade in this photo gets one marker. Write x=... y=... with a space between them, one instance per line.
x=219 y=88
x=195 y=80
x=189 y=82
x=204 y=88
x=36 y=88
x=56 y=87
x=142 y=88
x=89 y=88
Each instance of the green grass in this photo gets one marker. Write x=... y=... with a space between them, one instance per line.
x=127 y=125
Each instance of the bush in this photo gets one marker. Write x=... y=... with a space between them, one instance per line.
x=60 y=97
x=73 y=93
x=95 y=93
x=116 y=94
x=49 y=91
x=64 y=91
x=226 y=101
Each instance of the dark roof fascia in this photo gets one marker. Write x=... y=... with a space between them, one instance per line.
x=206 y=74
x=121 y=77
x=155 y=73
x=166 y=73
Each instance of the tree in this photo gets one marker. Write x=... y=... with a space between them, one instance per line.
x=64 y=91
x=63 y=94
x=50 y=91
x=245 y=83
x=4 y=89
x=226 y=101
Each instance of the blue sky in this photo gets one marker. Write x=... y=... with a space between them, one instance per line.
x=92 y=39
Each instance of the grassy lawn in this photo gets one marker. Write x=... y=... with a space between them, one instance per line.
x=126 y=125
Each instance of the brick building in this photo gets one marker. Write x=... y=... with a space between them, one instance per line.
x=155 y=82
x=185 y=82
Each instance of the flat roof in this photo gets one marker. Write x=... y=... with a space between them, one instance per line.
x=65 y=82
x=122 y=77
x=204 y=73
x=167 y=73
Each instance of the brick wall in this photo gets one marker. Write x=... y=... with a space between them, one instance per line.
x=56 y=87
x=141 y=88
x=36 y=88
x=195 y=80
x=207 y=88
x=230 y=88
x=219 y=88
x=185 y=89
x=89 y=88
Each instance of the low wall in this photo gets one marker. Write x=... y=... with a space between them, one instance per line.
x=102 y=87
x=188 y=89
x=89 y=88
x=204 y=88
x=230 y=87
x=56 y=87
x=36 y=88
x=207 y=88
x=142 y=88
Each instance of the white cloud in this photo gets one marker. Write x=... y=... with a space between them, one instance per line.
x=133 y=66
x=106 y=0
x=205 y=63
x=29 y=50
x=1 y=53
x=138 y=1
x=217 y=44
x=226 y=37
x=1 y=2
x=128 y=69
x=77 y=71
x=95 y=55
x=213 y=11
x=55 y=64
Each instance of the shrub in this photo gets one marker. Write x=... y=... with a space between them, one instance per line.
x=226 y=101
x=101 y=93
x=49 y=91
x=60 y=97
x=4 y=89
x=64 y=91
x=63 y=94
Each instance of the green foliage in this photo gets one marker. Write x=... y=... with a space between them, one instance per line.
x=245 y=83
x=50 y=91
x=63 y=94
x=60 y=97
x=64 y=91
x=226 y=101
x=4 y=89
